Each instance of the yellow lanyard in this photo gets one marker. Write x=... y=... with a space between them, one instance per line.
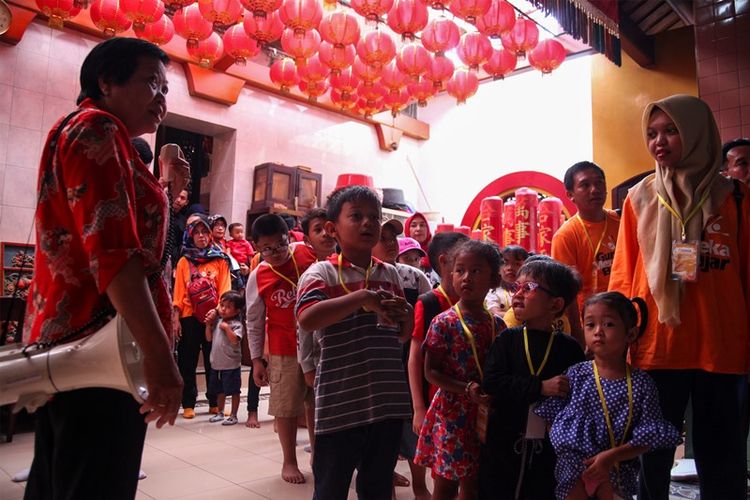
x=683 y=222
x=441 y=291
x=528 y=354
x=296 y=271
x=470 y=336
x=595 y=250
x=341 y=274
x=603 y=401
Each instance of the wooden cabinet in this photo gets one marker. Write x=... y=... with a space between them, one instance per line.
x=308 y=189
x=274 y=185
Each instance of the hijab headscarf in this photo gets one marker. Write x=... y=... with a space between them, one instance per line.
x=200 y=255
x=696 y=175
x=426 y=244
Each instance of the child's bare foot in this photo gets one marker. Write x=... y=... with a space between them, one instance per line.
x=291 y=474
x=252 y=420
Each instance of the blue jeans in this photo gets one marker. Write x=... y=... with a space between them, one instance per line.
x=718 y=404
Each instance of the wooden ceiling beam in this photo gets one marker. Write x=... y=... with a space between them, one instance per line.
x=638 y=45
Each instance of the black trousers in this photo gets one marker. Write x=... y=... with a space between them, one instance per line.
x=193 y=341
x=372 y=449
x=88 y=444
x=718 y=403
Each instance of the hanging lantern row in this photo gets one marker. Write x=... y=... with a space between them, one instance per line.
x=328 y=50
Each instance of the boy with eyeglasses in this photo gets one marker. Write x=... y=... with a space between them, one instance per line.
x=271 y=294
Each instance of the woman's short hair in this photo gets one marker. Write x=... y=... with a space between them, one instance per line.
x=114 y=60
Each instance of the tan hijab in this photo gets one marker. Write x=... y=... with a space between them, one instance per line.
x=696 y=173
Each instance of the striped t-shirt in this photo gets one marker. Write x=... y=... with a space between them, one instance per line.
x=360 y=378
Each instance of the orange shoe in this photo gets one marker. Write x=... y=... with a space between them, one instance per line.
x=188 y=413
x=213 y=410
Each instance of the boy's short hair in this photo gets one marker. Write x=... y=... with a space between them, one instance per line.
x=516 y=251
x=268 y=225
x=443 y=243
x=311 y=215
x=487 y=250
x=728 y=146
x=563 y=281
x=236 y=298
x=569 y=179
x=233 y=225
x=336 y=200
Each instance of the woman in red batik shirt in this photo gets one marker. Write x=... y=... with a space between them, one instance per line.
x=100 y=233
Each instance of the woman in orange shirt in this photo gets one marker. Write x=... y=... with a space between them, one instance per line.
x=683 y=246
x=198 y=255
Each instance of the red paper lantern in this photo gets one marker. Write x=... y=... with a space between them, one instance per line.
x=301 y=15
x=474 y=49
x=509 y=223
x=392 y=78
x=470 y=10
x=440 y=35
x=407 y=17
x=369 y=108
x=422 y=91
x=284 y=74
x=438 y=4
x=336 y=58
x=498 y=20
x=396 y=101
x=191 y=25
x=57 y=11
x=440 y=70
x=367 y=72
x=343 y=101
x=371 y=92
x=339 y=28
x=491 y=216
x=413 y=59
x=207 y=51
x=522 y=37
x=463 y=84
x=109 y=17
x=238 y=45
x=221 y=12
x=175 y=5
x=142 y=12
x=312 y=70
x=346 y=82
x=265 y=29
x=313 y=90
x=376 y=48
x=300 y=47
x=550 y=218
x=526 y=211
x=500 y=63
x=371 y=9
x=159 y=32
x=547 y=56
x=261 y=8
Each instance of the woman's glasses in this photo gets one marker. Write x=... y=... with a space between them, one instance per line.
x=530 y=286
x=281 y=247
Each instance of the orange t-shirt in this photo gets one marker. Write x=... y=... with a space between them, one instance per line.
x=217 y=270
x=571 y=246
x=713 y=334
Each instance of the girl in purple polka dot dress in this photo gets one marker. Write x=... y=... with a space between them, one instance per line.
x=611 y=415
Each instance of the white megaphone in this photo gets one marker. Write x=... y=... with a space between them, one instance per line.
x=109 y=358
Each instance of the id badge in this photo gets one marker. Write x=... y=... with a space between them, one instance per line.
x=483 y=415
x=685 y=258
x=536 y=426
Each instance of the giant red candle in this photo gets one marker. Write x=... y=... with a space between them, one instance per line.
x=491 y=214
x=526 y=207
x=509 y=223
x=550 y=216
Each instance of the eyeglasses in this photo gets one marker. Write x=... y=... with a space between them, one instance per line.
x=530 y=286
x=265 y=252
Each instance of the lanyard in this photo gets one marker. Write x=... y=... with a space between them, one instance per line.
x=528 y=354
x=683 y=222
x=341 y=274
x=595 y=250
x=603 y=401
x=296 y=271
x=441 y=291
x=470 y=336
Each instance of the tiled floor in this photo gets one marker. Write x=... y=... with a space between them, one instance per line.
x=196 y=459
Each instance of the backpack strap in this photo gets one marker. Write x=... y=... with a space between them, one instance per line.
x=432 y=308
x=194 y=272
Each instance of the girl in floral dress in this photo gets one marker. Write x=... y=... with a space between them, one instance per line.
x=611 y=415
x=455 y=348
